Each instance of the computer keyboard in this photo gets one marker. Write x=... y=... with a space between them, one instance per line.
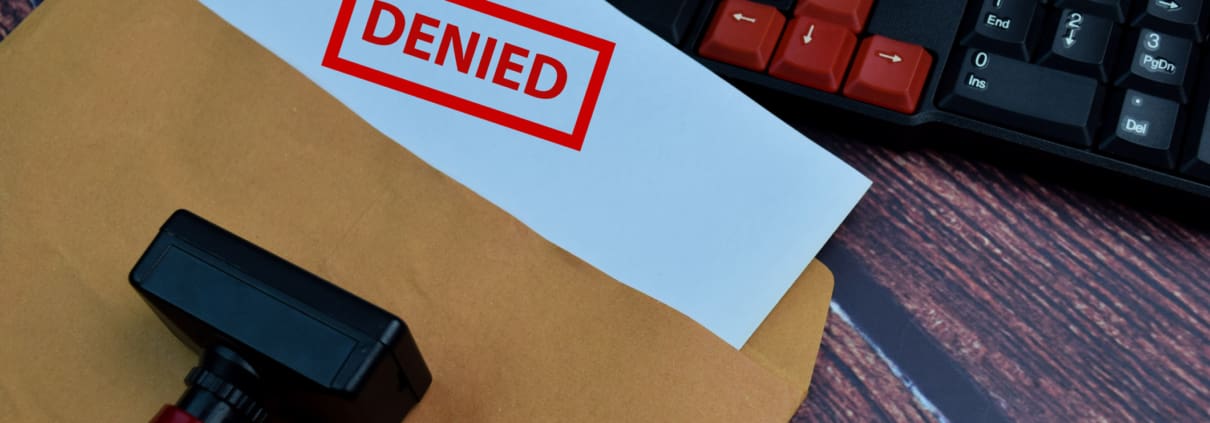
x=1113 y=84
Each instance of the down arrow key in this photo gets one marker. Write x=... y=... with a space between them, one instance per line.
x=814 y=53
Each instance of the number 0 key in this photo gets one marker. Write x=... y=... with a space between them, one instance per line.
x=1026 y=97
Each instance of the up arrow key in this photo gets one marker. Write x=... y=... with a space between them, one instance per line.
x=893 y=58
x=739 y=17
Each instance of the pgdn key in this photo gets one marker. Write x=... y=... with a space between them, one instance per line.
x=1029 y=98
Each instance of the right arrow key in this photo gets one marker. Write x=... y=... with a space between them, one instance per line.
x=889 y=73
x=1183 y=18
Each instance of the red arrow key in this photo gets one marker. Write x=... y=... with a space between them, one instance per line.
x=743 y=33
x=889 y=73
x=851 y=14
x=814 y=53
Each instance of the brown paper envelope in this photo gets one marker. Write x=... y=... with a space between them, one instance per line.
x=113 y=114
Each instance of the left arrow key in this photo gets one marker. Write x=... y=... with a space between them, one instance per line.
x=743 y=33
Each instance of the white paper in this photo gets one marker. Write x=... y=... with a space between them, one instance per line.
x=684 y=188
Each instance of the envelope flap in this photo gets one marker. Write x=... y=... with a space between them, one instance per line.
x=787 y=342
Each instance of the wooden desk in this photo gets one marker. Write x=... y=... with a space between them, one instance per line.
x=11 y=13
x=979 y=294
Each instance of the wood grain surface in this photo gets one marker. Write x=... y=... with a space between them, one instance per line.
x=853 y=384
x=969 y=291
x=1058 y=305
x=12 y=12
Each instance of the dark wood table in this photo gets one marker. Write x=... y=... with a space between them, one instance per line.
x=11 y=13
x=970 y=291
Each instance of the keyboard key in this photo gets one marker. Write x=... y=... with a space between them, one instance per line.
x=850 y=14
x=1113 y=9
x=743 y=33
x=1029 y=98
x=889 y=73
x=1007 y=27
x=1082 y=45
x=1197 y=163
x=1160 y=66
x=1146 y=131
x=814 y=53
x=1183 y=18
x=667 y=18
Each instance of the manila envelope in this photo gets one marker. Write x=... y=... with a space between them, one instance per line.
x=113 y=114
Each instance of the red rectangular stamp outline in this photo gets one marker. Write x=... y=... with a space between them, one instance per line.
x=573 y=140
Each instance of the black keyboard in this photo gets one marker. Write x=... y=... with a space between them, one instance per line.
x=1113 y=84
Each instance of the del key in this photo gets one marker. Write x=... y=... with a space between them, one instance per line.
x=1025 y=97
